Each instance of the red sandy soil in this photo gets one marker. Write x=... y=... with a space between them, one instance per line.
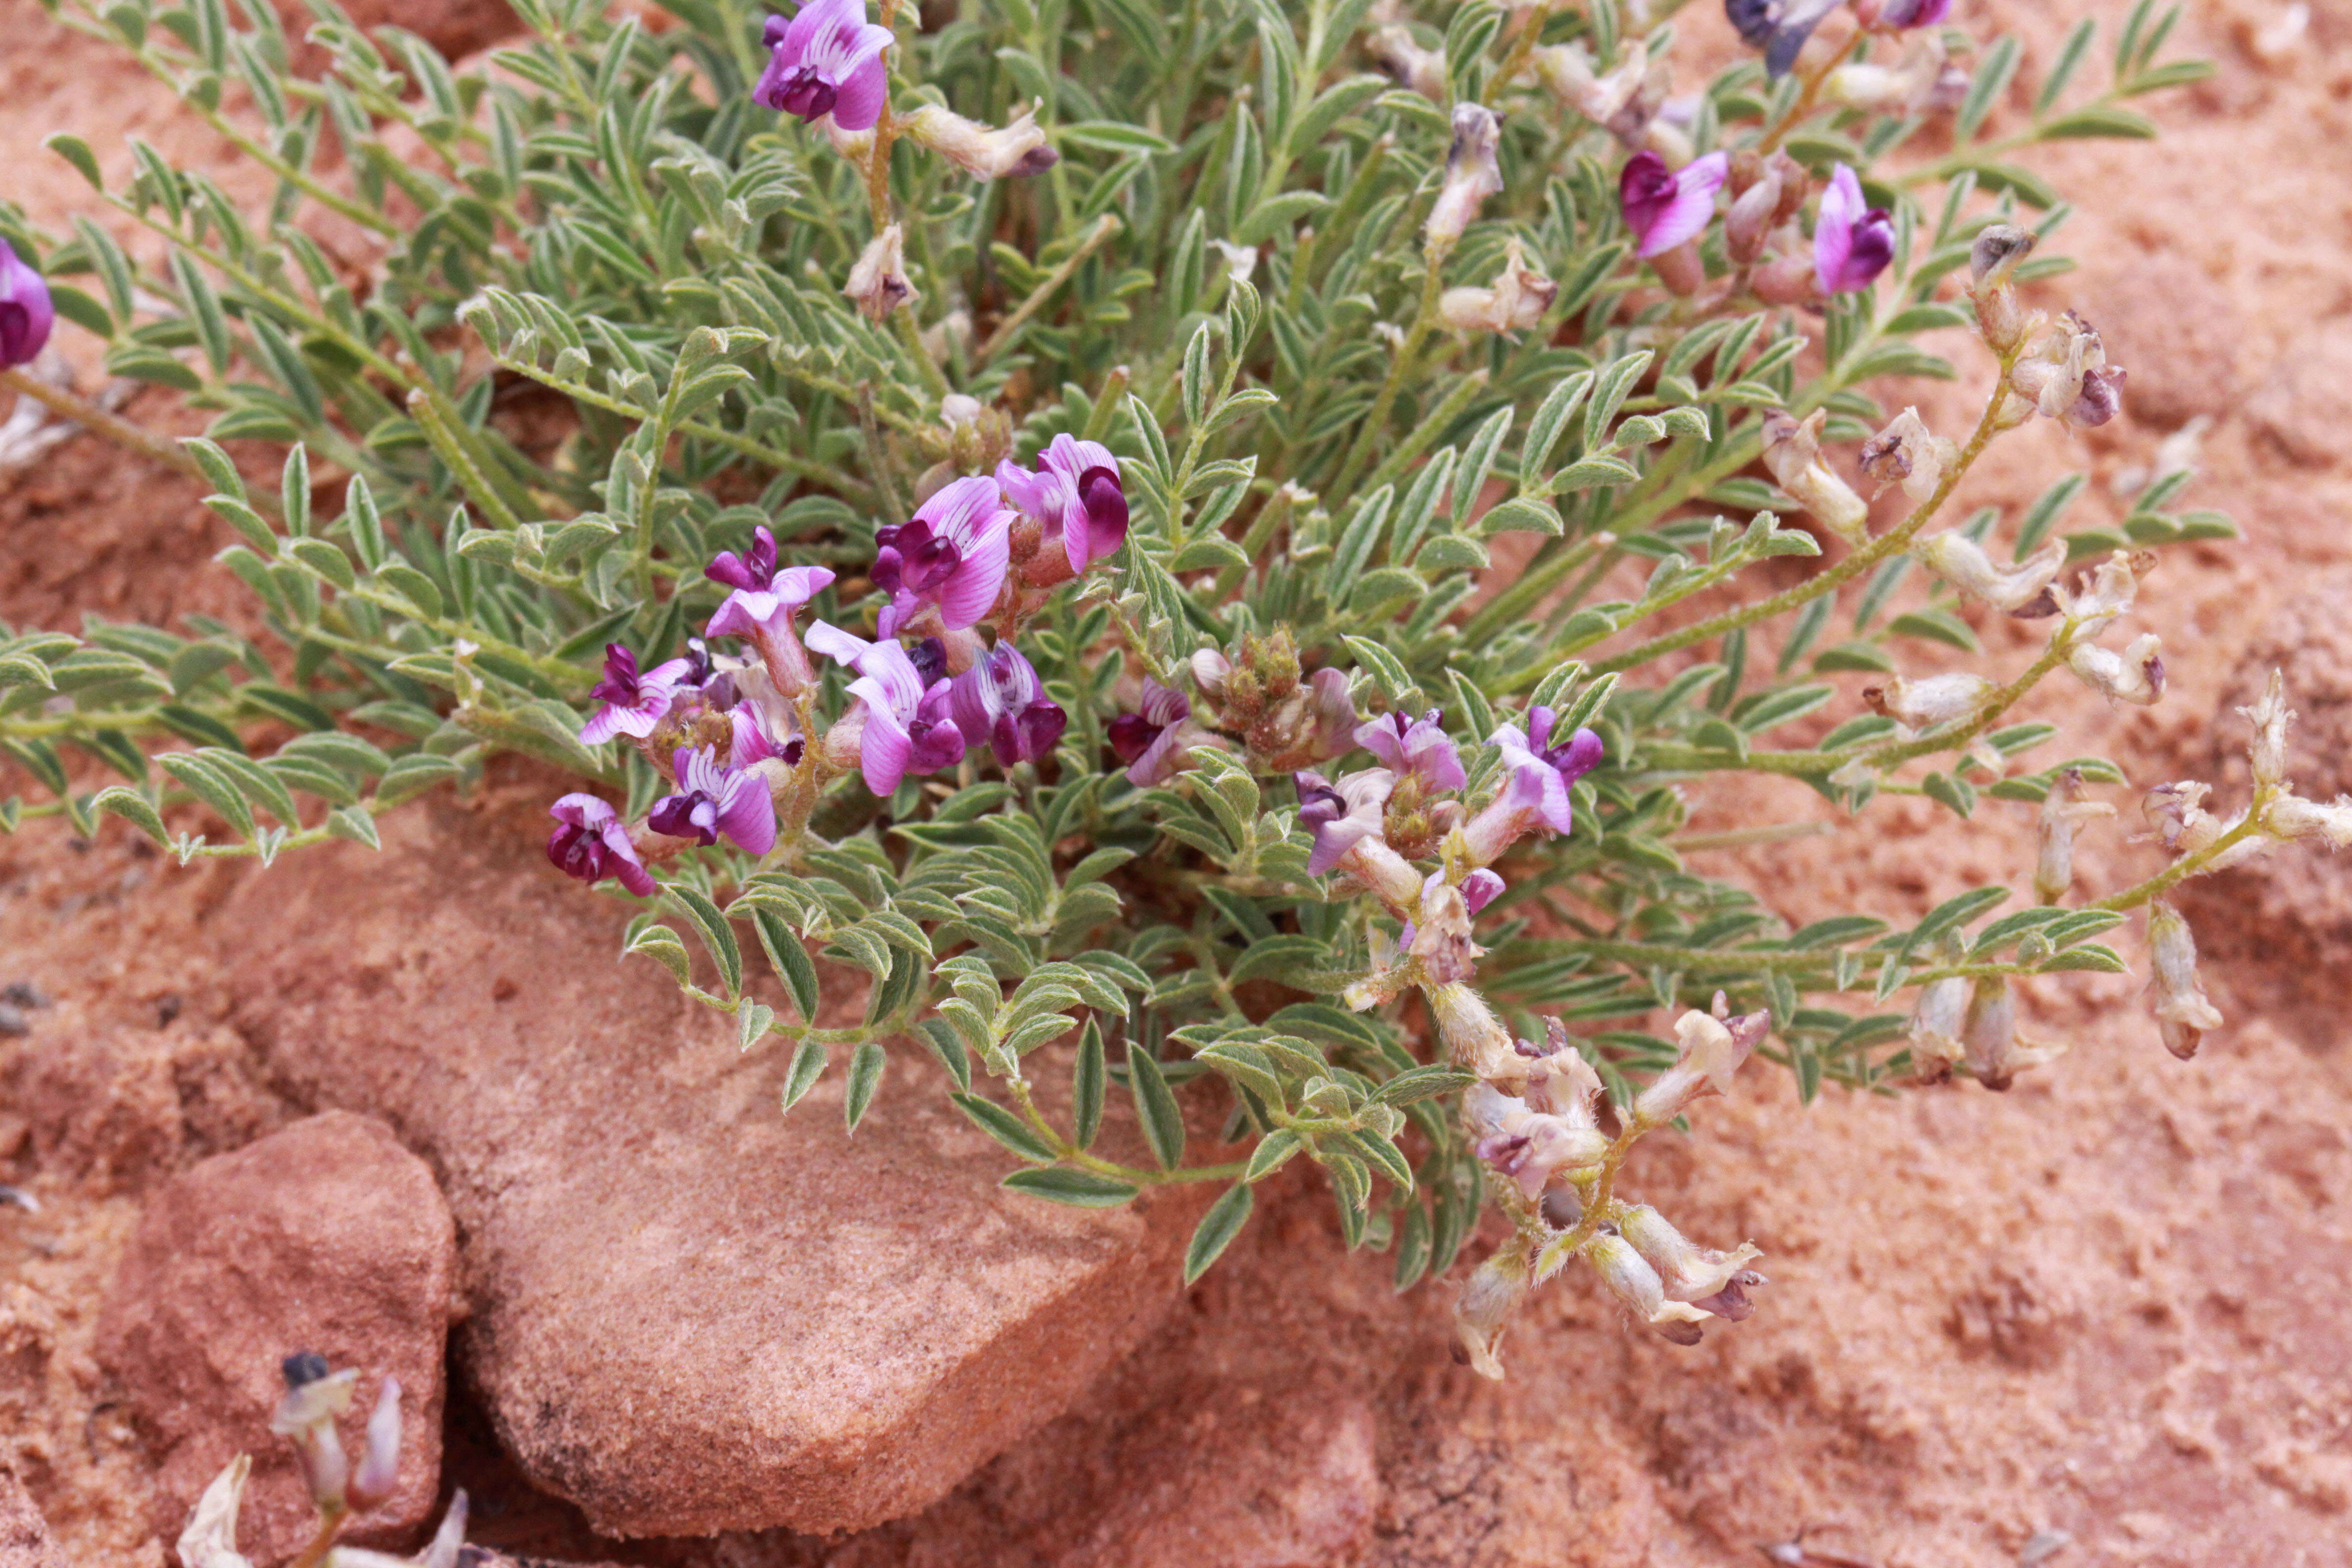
x=2111 y=1303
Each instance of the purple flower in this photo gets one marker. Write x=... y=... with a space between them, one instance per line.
x=1074 y=496
x=1665 y=207
x=1414 y=748
x=756 y=739
x=1000 y=703
x=591 y=842
x=762 y=596
x=1153 y=741
x=1779 y=27
x=826 y=60
x=1894 y=13
x=1852 y=244
x=952 y=555
x=714 y=801
x=906 y=727
x=25 y=313
x=1536 y=798
x=1340 y=815
x=634 y=703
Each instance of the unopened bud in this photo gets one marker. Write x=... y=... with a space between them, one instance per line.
x=2018 y=589
x=1936 y=1025
x=379 y=1466
x=1487 y=1302
x=306 y=1417
x=2292 y=817
x=2183 y=1014
x=1472 y=173
x=1474 y=1040
x=984 y=152
x=2063 y=810
x=1688 y=1271
x=1632 y=1280
x=2270 y=716
x=1516 y=302
x=1926 y=703
x=877 y=283
x=1792 y=451
x=1787 y=281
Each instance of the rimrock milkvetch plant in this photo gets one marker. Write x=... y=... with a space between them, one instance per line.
x=1008 y=498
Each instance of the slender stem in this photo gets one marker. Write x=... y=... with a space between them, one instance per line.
x=122 y=432
x=1425 y=321
x=2188 y=866
x=1104 y=226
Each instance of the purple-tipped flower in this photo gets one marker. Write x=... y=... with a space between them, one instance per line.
x=1001 y=704
x=379 y=1464
x=762 y=606
x=25 y=313
x=1414 y=748
x=952 y=555
x=1852 y=243
x=1152 y=741
x=714 y=802
x=634 y=702
x=905 y=726
x=1074 y=496
x=592 y=843
x=1892 y=16
x=1341 y=814
x=1665 y=207
x=1536 y=798
x=757 y=737
x=826 y=60
x=1478 y=889
x=1779 y=27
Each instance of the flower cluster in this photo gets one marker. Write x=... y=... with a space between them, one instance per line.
x=738 y=735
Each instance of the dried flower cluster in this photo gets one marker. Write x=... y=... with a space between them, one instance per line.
x=1025 y=528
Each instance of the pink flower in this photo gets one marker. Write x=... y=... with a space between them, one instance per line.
x=1074 y=496
x=1536 y=798
x=953 y=556
x=1417 y=748
x=634 y=703
x=761 y=607
x=713 y=802
x=1852 y=244
x=25 y=313
x=904 y=727
x=826 y=60
x=1478 y=890
x=1000 y=703
x=1663 y=207
x=756 y=739
x=1154 y=741
x=591 y=842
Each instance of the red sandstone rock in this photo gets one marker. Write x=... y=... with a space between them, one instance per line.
x=691 y=1313
x=326 y=1236
x=24 y=1540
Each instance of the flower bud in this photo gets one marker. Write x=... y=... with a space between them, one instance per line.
x=1936 y=1025
x=1632 y=1280
x=1762 y=189
x=1516 y=302
x=1688 y=1271
x=2270 y=716
x=1787 y=281
x=1992 y=263
x=2136 y=675
x=1926 y=703
x=379 y=1466
x=1472 y=174
x=2182 y=1012
x=877 y=283
x=2063 y=810
x=26 y=312
x=983 y=152
x=1487 y=1302
x=2292 y=817
x=1710 y=1052
x=1995 y=1054
x=1473 y=1039
x=305 y=1416
x=2020 y=589
x=1792 y=451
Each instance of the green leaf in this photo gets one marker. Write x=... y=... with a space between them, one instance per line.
x=1005 y=1128
x=1423 y=1083
x=1079 y=1189
x=1114 y=136
x=661 y=944
x=716 y=935
x=789 y=960
x=1273 y=1151
x=808 y=1066
x=2097 y=120
x=1087 y=1086
x=1155 y=1107
x=1217 y=1229
x=865 y=1066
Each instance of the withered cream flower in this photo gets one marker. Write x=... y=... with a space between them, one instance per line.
x=877 y=283
x=2064 y=812
x=1792 y=451
x=2020 y=589
x=1935 y=1027
x=1514 y=303
x=1398 y=55
x=1472 y=173
x=983 y=152
x=1711 y=1050
x=2183 y=1013
x=1908 y=453
x=1925 y=703
x=2135 y=675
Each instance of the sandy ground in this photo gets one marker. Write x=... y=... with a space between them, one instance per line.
x=2110 y=1304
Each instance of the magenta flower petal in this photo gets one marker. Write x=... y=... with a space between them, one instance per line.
x=858 y=104
x=1480 y=888
x=1687 y=210
x=1852 y=244
x=27 y=313
x=883 y=749
x=747 y=813
x=971 y=590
